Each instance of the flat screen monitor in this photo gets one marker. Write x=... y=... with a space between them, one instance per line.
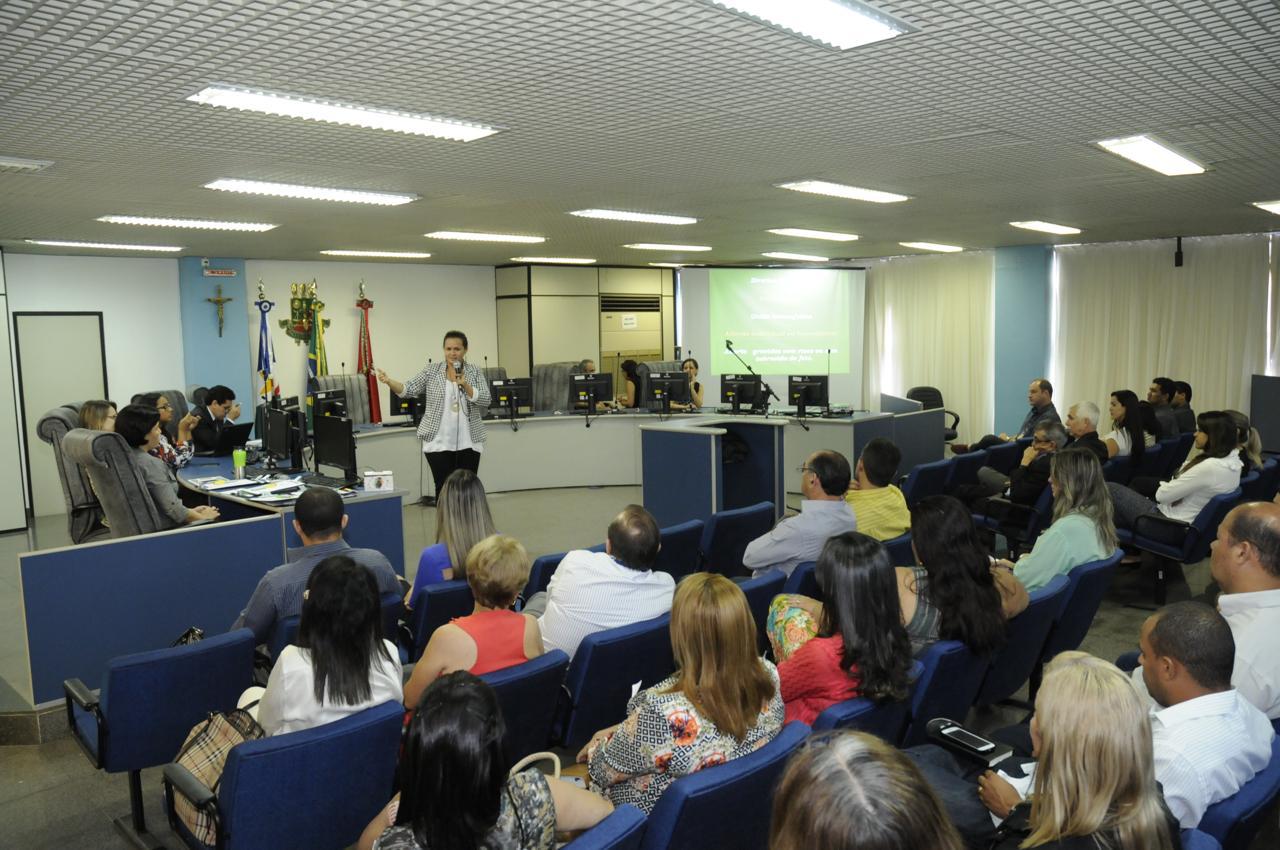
x=806 y=391
x=663 y=388
x=740 y=390
x=283 y=436
x=583 y=389
x=290 y=403
x=511 y=393
x=406 y=406
x=331 y=403
x=335 y=444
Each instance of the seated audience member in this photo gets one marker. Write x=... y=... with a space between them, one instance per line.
x=219 y=408
x=1150 y=425
x=1091 y=783
x=454 y=787
x=462 y=521
x=492 y=637
x=629 y=393
x=175 y=455
x=852 y=791
x=957 y=592
x=690 y=367
x=852 y=644
x=1083 y=528
x=1126 y=438
x=140 y=427
x=1208 y=739
x=1025 y=482
x=1216 y=470
x=98 y=415
x=1040 y=397
x=594 y=591
x=879 y=508
x=586 y=366
x=319 y=520
x=1082 y=426
x=1181 y=404
x=824 y=513
x=722 y=703
x=340 y=665
x=1160 y=394
x=1249 y=441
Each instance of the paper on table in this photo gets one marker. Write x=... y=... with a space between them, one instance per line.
x=635 y=689
x=217 y=482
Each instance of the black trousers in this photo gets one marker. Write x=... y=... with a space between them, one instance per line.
x=444 y=463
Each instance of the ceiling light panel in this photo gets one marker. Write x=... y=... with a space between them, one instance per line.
x=188 y=223
x=803 y=258
x=1149 y=153
x=17 y=163
x=1047 y=227
x=667 y=265
x=804 y=233
x=1269 y=206
x=841 y=24
x=104 y=246
x=474 y=236
x=839 y=190
x=624 y=215
x=563 y=261
x=388 y=255
x=334 y=112
x=658 y=246
x=932 y=246
x=312 y=193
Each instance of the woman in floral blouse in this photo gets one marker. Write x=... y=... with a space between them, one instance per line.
x=723 y=701
x=175 y=455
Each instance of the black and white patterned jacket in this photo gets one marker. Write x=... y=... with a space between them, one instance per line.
x=430 y=384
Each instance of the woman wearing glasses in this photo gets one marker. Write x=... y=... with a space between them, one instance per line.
x=176 y=454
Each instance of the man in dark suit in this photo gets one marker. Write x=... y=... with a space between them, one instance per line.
x=1082 y=425
x=219 y=410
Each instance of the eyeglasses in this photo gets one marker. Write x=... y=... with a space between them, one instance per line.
x=804 y=469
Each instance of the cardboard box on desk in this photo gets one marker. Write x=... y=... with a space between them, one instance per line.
x=379 y=481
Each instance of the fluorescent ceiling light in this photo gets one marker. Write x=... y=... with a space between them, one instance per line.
x=564 y=261
x=803 y=233
x=1046 y=227
x=932 y=246
x=471 y=236
x=104 y=246
x=1149 y=153
x=333 y=112
x=18 y=163
x=841 y=24
x=839 y=190
x=658 y=246
x=668 y=265
x=192 y=223
x=390 y=255
x=804 y=258
x=314 y=193
x=623 y=215
x=1269 y=206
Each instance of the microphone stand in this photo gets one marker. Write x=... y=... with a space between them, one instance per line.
x=768 y=390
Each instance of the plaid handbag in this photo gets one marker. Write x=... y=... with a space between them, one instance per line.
x=204 y=753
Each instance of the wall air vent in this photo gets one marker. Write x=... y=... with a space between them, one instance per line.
x=630 y=304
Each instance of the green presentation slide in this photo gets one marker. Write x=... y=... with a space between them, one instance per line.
x=781 y=321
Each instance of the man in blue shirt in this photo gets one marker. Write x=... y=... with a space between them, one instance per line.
x=319 y=520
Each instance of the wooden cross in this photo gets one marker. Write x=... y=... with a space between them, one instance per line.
x=219 y=302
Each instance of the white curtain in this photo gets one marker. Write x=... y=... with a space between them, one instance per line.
x=929 y=323
x=1273 y=327
x=1125 y=314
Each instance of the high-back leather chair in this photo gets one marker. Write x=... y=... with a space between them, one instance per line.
x=551 y=385
x=357 y=389
x=116 y=480
x=645 y=369
x=84 y=512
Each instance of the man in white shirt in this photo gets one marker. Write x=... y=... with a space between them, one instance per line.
x=594 y=591
x=1245 y=561
x=824 y=513
x=1207 y=739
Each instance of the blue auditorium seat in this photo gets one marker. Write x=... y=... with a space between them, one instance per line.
x=727 y=533
x=528 y=695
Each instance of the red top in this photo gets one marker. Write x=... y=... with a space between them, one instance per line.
x=499 y=637
x=811 y=679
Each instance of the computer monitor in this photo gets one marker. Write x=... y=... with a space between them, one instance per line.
x=410 y=406
x=663 y=388
x=508 y=394
x=331 y=403
x=806 y=391
x=282 y=438
x=586 y=390
x=739 y=390
x=335 y=444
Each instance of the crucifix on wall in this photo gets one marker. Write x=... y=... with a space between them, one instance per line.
x=219 y=302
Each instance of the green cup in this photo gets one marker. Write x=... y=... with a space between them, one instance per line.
x=238 y=458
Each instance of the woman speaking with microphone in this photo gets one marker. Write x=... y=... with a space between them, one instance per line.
x=455 y=396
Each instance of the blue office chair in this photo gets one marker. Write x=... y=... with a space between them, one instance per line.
x=435 y=605
x=317 y=788
x=1014 y=663
x=926 y=479
x=681 y=544
x=544 y=567
x=1088 y=583
x=528 y=694
x=760 y=592
x=885 y=720
x=1005 y=456
x=148 y=704
x=597 y=686
x=964 y=470
x=622 y=830
x=286 y=630
x=1235 y=821
x=1260 y=484
x=1153 y=533
x=1194 y=839
x=1118 y=469
x=947 y=687
x=900 y=551
x=1156 y=459
x=727 y=533
x=1020 y=524
x=1181 y=447
x=804 y=581
x=728 y=805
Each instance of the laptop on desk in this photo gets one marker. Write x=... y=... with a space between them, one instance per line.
x=231 y=437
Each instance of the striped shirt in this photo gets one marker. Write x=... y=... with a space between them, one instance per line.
x=591 y=592
x=881 y=511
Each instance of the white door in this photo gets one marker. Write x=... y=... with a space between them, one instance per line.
x=61 y=359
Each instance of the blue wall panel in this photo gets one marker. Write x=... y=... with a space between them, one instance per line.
x=1021 y=296
x=208 y=358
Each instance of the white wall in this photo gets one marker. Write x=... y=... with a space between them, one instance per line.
x=414 y=304
x=12 y=494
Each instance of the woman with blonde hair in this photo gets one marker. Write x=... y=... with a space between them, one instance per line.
x=98 y=415
x=852 y=791
x=462 y=521
x=722 y=703
x=1083 y=527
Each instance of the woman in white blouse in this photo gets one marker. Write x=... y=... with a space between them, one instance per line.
x=1126 y=437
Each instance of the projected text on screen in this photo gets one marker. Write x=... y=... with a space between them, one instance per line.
x=780 y=320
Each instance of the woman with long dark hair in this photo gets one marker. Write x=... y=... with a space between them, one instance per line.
x=1126 y=438
x=139 y=425
x=454 y=790
x=340 y=664
x=629 y=392
x=957 y=592
x=852 y=644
